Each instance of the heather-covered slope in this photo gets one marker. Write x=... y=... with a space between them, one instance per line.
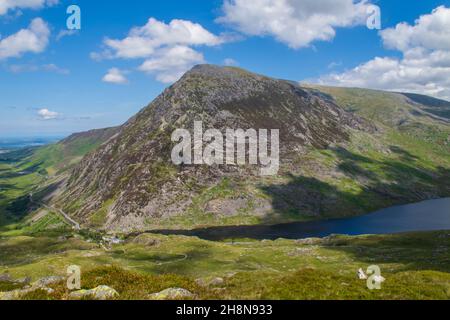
x=343 y=152
x=133 y=176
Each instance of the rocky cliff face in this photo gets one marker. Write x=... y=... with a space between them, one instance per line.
x=131 y=179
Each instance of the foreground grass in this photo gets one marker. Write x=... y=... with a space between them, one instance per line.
x=416 y=266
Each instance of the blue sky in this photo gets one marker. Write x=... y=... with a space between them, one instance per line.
x=53 y=82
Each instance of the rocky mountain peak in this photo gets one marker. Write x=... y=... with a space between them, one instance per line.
x=131 y=177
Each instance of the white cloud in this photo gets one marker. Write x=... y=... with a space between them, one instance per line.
x=166 y=48
x=115 y=76
x=169 y=64
x=54 y=68
x=33 y=39
x=334 y=64
x=425 y=64
x=7 y=5
x=296 y=23
x=230 y=62
x=46 y=114
x=65 y=33
x=51 y=67
x=142 y=42
x=431 y=31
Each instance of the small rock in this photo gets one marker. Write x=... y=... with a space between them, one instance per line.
x=147 y=241
x=201 y=282
x=216 y=282
x=112 y=240
x=92 y=254
x=172 y=294
x=48 y=290
x=23 y=281
x=230 y=275
x=44 y=282
x=213 y=282
x=309 y=241
x=99 y=293
x=6 y=277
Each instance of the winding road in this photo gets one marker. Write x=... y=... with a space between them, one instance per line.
x=75 y=225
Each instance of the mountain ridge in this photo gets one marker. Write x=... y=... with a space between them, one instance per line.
x=130 y=183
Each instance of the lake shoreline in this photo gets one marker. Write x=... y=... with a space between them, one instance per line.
x=429 y=215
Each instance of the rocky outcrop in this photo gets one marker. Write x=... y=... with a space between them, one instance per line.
x=47 y=281
x=5 y=277
x=99 y=293
x=172 y=294
x=146 y=240
x=41 y=284
x=131 y=178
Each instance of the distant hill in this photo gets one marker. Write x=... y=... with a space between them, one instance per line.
x=432 y=105
x=61 y=156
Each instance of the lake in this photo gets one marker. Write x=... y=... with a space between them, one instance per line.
x=429 y=215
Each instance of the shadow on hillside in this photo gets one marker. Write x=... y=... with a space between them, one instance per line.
x=4 y=187
x=418 y=251
x=381 y=183
x=16 y=155
x=23 y=205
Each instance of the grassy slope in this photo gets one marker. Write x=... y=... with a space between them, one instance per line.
x=416 y=266
x=62 y=156
x=27 y=170
x=15 y=185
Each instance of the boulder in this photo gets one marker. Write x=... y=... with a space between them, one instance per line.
x=147 y=240
x=213 y=282
x=362 y=275
x=309 y=241
x=172 y=294
x=6 y=277
x=216 y=281
x=23 y=281
x=99 y=293
x=44 y=282
x=19 y=293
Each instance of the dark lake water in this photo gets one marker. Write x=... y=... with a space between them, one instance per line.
x=424 y=216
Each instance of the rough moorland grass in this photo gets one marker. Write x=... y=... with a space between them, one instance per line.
x=416 y=266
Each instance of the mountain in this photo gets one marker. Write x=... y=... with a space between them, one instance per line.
x=342 y=152
x=432 y=105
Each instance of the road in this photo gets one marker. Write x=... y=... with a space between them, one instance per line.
x=66 y=217
x=75 y=225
